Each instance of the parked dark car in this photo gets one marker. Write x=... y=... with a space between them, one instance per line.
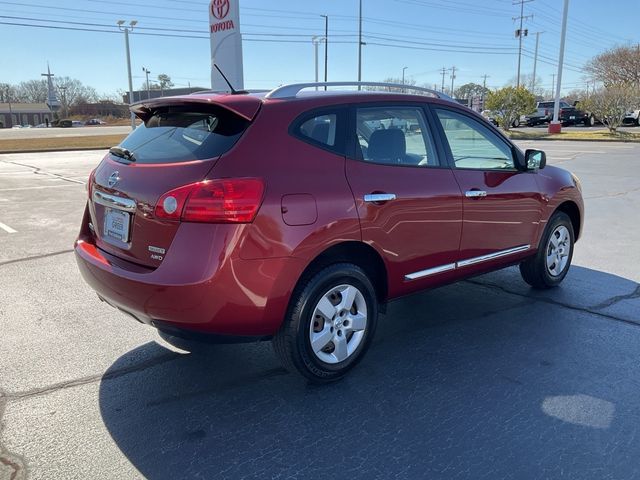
x=64 y=123
x=95 y=121
x=568 y=115
x=294 y=217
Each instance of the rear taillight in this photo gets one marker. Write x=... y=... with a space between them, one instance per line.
x=560 y=112
x=90 y=182
x=232 y=200
x=546 y=112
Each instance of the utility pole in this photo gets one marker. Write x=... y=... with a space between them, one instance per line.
x=147 y=72
x=326 y=47
x=360 y=45
x=484 y=88
x=453 y=77
x=444 y=71
x=316 y=40
x=520 y=33
x=126 y=30
x=535 y=63
x=554 y=126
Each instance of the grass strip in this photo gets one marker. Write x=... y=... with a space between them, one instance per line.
x=96 y=142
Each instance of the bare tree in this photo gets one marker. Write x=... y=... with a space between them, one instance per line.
x=7 y=93
x=71 y=91
x=407 y=81
x=610 y=104
x=618 y=66
x=32 y=91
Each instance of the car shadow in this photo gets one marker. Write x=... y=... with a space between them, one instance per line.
x=481 y=379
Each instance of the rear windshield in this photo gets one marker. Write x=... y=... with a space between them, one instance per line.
x=182 y=134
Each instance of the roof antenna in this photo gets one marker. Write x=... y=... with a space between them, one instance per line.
x=233 y=90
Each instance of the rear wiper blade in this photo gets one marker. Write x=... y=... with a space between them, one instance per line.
x=123 y=153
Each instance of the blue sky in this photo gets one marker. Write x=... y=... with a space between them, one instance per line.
x=423 y=35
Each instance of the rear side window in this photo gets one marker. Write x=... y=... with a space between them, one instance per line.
x=173 y=135
x=321 y=129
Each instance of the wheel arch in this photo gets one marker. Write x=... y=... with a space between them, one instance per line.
x=571 y=209
x=358 y=253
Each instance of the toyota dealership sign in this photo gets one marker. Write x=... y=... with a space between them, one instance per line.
x=226 y=44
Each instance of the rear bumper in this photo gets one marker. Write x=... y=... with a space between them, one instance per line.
x=204 y=290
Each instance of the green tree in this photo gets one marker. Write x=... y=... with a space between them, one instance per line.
x=164 y=81
x=510 y=103
x=469 y=90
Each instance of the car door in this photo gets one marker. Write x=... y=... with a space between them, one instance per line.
x=502 y=205
x=408 y=201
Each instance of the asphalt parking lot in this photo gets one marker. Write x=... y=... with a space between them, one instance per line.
x=482 y=379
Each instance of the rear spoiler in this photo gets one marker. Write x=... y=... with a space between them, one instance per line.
x=244 y=106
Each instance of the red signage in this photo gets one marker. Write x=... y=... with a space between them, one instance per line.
x=220 y=8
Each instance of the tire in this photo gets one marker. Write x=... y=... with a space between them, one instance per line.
x=316 y=310
x=638 y=121
x=516 y=123
x=544 y=271
x=590 y=122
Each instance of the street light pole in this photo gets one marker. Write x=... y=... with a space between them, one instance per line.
x=315 y=40
x=126 y=30
x=535 y=63
x=554 y=126
x=360 y=45
x=147 y=72
x=326 y=47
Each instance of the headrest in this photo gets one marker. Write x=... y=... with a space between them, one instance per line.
x=387 y=146
x=320 y=133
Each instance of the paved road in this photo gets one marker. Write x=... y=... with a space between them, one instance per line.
x=30 y=133
x=482 y=379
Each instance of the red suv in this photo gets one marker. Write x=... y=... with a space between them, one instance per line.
x=295 y=216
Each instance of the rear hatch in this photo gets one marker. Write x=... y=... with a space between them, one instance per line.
x=178 y=145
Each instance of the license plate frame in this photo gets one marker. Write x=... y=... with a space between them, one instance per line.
x=117 y=225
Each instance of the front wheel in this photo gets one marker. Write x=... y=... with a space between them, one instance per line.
x=329 y=325
x=551 y=263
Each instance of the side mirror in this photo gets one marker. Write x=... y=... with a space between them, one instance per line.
x=535 y=159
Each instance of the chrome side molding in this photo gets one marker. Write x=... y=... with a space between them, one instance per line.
x=465 y=263
x=112 y=201
x=493 y=256
x=430 y=271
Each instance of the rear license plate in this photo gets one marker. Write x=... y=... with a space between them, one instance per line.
x=572 y=117
x=116 y=225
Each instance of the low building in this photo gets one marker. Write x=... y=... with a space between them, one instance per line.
x=12 y=114
x=100 y=109
x=140 y=95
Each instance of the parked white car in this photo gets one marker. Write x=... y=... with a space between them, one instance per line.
x=633 y=117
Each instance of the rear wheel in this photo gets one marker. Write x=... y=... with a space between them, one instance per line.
x=551 y=263
x=591 y=121
x=330 y=323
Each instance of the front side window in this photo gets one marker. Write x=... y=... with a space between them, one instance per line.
x=473 y=145
x=394 y=136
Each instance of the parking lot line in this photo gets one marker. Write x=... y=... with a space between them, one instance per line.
x=7 y=228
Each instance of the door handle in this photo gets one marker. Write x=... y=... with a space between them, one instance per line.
x=379 y=197
x=475 y=193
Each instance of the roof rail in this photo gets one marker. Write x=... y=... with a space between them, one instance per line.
x=292 y=90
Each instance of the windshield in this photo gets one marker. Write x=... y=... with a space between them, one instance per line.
x=173 y=135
